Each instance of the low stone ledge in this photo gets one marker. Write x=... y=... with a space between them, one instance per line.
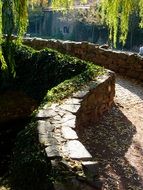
x=58 y=123
x=118 y=61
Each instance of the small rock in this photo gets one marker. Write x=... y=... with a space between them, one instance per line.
x=53 y=151
x=69 y=133
x=75 y=150
x=70 y=108
x=73 y=101
x=69 y=123
x=80 y=94
x=46 y=113
x=68 y=116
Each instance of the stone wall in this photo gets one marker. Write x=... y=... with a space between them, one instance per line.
x=57 y=124
x=97 y=99
x=127 y=64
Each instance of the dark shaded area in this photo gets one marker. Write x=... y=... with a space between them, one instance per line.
x=30 y=167
x=8 y=133
x=108 y=141
x=38 y=71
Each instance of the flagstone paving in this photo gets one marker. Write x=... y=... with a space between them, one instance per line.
x=110 y=152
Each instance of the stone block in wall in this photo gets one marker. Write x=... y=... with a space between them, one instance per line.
x=118 y=61
x=84 y=45
x=92 y=48
x=123 y=56
x=141 y=61
x=141 y=76
x=97 y=101
x=137 y=67
x=133 y=59
x=132 y=73
x=114 y=67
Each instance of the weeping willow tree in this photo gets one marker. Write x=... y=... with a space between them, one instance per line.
x=14 y=18
x=117 y=15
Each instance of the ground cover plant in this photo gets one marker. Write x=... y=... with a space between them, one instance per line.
x=44 y=76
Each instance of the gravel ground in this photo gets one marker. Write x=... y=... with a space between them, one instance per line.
x=116 y=141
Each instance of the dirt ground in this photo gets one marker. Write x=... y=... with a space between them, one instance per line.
x=116 y=142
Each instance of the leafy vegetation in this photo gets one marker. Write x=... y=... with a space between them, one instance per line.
x=116 y=15
x=67 y=87
x=38 y=72
x=14 y=19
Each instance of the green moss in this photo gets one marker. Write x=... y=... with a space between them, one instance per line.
x=66 y=88
x=39 y=71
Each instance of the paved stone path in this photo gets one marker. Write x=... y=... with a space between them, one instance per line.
x=111 y=152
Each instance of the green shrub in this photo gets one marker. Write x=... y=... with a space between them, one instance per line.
x=38 y=71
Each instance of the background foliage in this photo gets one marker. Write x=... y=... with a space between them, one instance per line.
x=14 y=19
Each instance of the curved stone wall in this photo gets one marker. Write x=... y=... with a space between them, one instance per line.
x=57 y=124
x=128 y=64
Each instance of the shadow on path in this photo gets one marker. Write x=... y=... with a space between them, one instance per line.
x=108 y=141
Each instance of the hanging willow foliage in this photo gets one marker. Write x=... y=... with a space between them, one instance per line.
x=14 y=17
x=116 y=14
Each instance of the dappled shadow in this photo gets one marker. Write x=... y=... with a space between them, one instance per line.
x=108 y=141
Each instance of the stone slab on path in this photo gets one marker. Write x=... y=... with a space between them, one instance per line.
x=57 y=125
x=53 y=152
x=69 y=133
x=76 y=150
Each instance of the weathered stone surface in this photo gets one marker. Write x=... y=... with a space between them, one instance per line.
x=75 y=150
x=80 y=94
x=70 y=123
x=43 y=139
x=71 y=108
x=52 y=141
x=114 y=60
x=46 y=113
x=90 y=167
x=53 y=151
x=68 y=116
x=69 y=133
x=44 y=127
x=57 y=117
x=72 y=101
